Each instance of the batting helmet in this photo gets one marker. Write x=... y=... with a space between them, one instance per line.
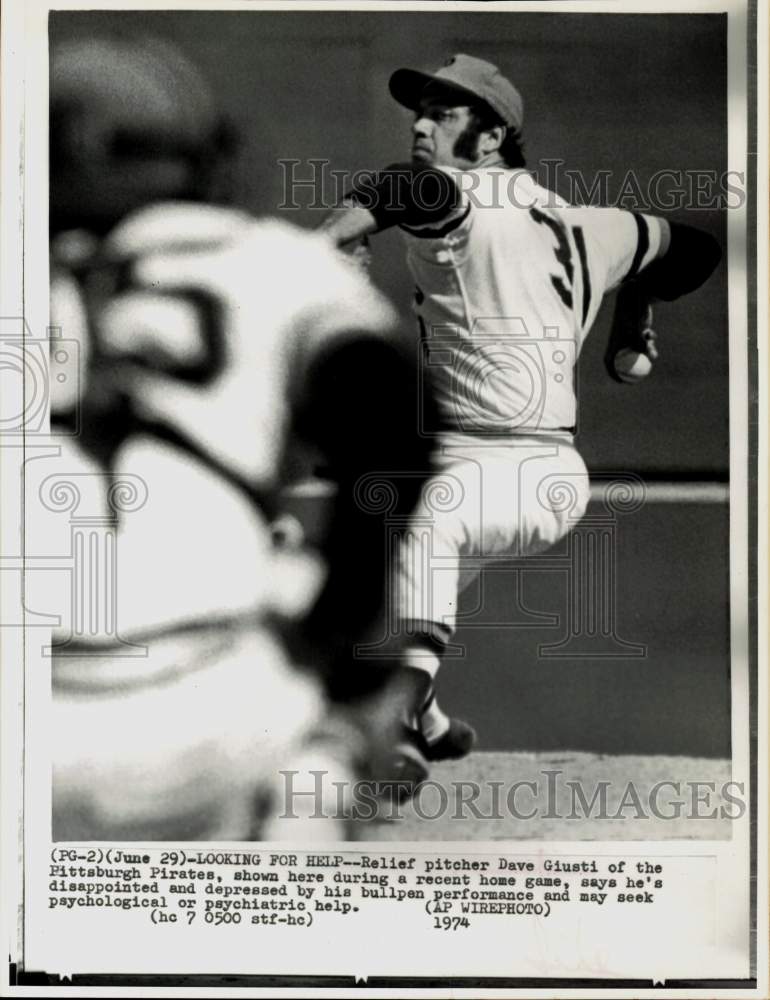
x=132 y=121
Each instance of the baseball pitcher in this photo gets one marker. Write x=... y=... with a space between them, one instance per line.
x=508 y=283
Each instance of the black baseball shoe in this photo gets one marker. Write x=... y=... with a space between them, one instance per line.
x=456 y=743
x=407 y=766
x=400 y=772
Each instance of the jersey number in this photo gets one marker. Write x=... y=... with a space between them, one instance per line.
x=563 y=253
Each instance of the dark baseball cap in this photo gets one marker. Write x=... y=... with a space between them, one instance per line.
x=468 y=76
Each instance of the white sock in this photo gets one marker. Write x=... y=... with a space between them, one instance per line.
x=423 y=658
x=433 y=722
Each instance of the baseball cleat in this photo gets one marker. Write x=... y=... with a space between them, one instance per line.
x=404 y=768
x=456 y=743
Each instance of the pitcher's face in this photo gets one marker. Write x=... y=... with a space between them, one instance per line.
x=438 y=131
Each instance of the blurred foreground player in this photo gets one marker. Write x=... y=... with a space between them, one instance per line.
x=508 y=281
x=214 y=350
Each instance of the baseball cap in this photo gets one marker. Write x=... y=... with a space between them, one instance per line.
x=477 y=78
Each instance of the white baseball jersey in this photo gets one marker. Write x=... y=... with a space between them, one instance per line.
x=252 y=300
x=174 y=699
x=507 y=289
